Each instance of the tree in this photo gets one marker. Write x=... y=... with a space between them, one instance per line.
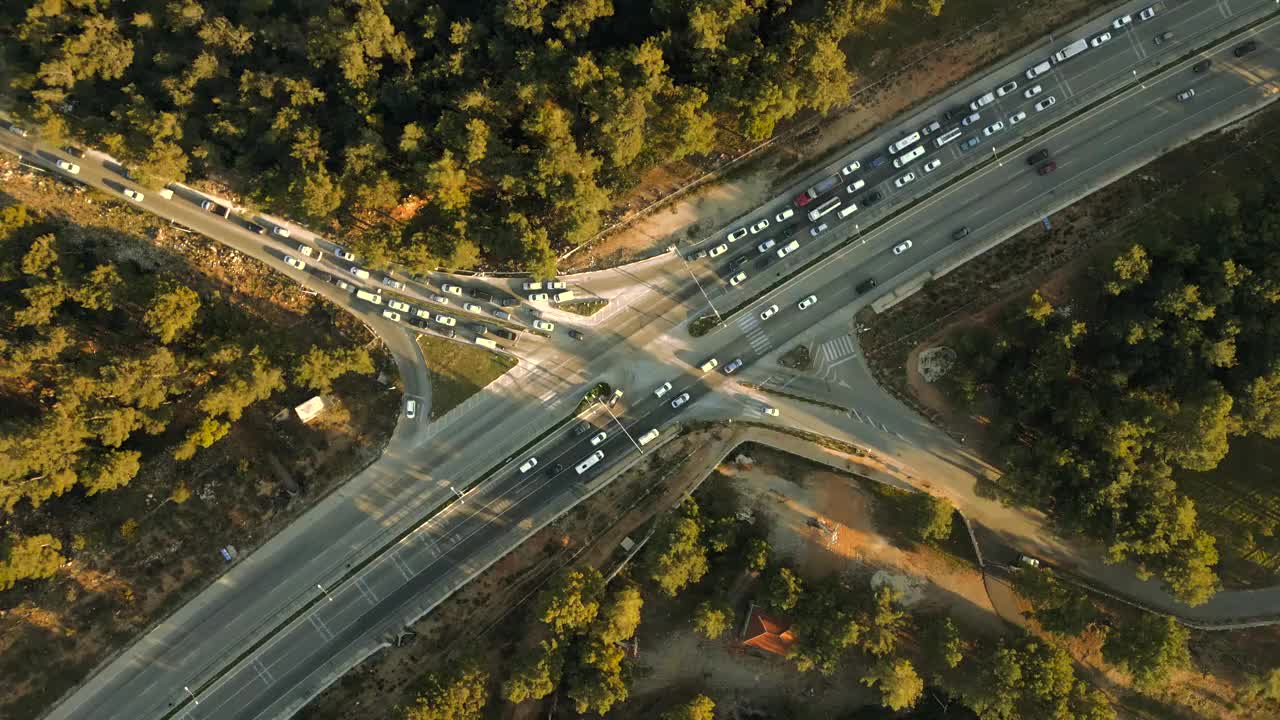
x=1265 y=686
x=700 y=707
x=100 y=289
x=1149 y=648
x=884 y=623
x=1038 y=309
x=931 y=516
x=784 y=588
x=619 y=618
x=942 y=641
x=172 y=312
x=318 y=368
x=900 y=686
x=712 y=619
x=29 y=558
x=449 y=183
x=460 y=695
x=571 y=601
x=677 y=557
x=597 y=692
x=536 y=674
x=825 y=627
x=1058 y=607
x=209 y=431
x=756 y=555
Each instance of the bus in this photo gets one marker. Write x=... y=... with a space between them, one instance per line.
x=904 y=143
x=590 y=462
x=948 y=136
x=824 y=208
x=369 y=297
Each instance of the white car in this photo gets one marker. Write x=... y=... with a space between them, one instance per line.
x=538 y=297
x=851 y=168
x=1098 y=40
x=397 y=305
x=439 y=299
x=663 y=389
x=970 y=119
x=531 y=286
x=544 y=326
x=344 y=254
x=294 y=262
x=905 y=180
x=1046 y=103
x=1120 y=22
x=280 y=231
x=679 y=400
x=770 y=411
x=785 y=215
x=737 y=279
x=1186 y=95
x=932 y=165
x=993 y=128
x=1033 y=91
x=759 y=225
x=391 y=315
x=769 y=312
x=446 y=320
x=529 y=464
x=788 y=249
x=133 y=195
x=855 y=186
x=1007 y=88
x=70 y=167
x=411 y=408
x=392 y=283
x=472 y=307
x=718 y=250
x=451 y=289
x=599 y=437
x=359 y=272
x=982 y=101
x=1148 y=13
x=1017 y=117
x=766 y=245
x=808 y=302
x=902 y=247
x=816 y=231
x=556 y=285
x=736 y=235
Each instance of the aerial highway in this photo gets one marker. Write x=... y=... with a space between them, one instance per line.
x=448 y=497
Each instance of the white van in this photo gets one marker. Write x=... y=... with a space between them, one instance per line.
x=908 y=156
x=590 y=462
x=486 y=342
x=359 y=272
x=824 y=208
x=847 y=211
x=369 y=297
x=648 y=437
x=565 y=296
x=1038 y=70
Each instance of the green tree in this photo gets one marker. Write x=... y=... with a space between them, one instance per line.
x=459 y=695
x=1058 y=607
x=931 y=516
x=711 y=619
x=884 y=623
x=677 y=557
x=34 y=557
x=619 y=617
x=1038 y=309
x=1149 y=648
x=757 y=554
x=825 y=626
x=570 y=601
x=900 y=686
x=700 y=707
x=318 y=368
x=172 y=312
x=536 y=674
x=209 y=431
x=100 y=290
x=942 y=641
x=449 y=183
x=1265 y=686
x=784 y=588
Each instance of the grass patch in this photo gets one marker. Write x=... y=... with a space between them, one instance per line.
x=701 y=326
x=459 y=371
x=598 y=391
x=797 y=358
x=586 y=308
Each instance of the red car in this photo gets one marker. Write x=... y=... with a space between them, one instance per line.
x=1047 y=168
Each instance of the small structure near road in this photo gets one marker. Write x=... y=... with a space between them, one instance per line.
x=769 y=633
x=308 y=410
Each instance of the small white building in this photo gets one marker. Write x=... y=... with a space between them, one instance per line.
x=308 y=410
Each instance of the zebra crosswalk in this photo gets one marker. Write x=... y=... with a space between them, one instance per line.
x=753 y=328
x=837 y=348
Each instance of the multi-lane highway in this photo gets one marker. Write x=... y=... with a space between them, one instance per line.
x=331 y=588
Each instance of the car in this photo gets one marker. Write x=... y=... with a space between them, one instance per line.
x=411 y=408
x=1245 y=48
x=345 y=286
x=817 y=230
x=737 y=279
x=769 y=312
x=1120 y=22
x=865 y=286
x=446 y=320
x=1186 y=95
x=902 y=247
x=982 y=101
x=766 y=245
x=759 y=225
x=472 y=307
x=1028 y=561
x=932 y=165
x=662 y=389
x=872 y=198
x=392 y=283
x=554 y=470
x=1099 y=39
x=507 y=301
x=1007 y=88
x=391 y=315
x=582 y=428
x=599 y=438
x=695 y=255
x=770 y=411
x=133 y=195
x=1033 y=91
x=790 y=230
x=1038 y=156
x=280 y=231
x=480 y=328
x=531 y=286
x=344 y=254
x=1047 y=168
x=1046 y=103
x=451 y=289
x=416 y=322
x=993 y=128
x=1147 y=14
x=438 y=299
x=557 y=285
x=737 y=363
x=970 y=119
x=73 y=151
x=1163 y=37
x=1202 y=66
x=529 y=464
x=718 y=250
x=709 y=365
x=208 y=205
x=931 y=128
x=397 y=305
x=679 y=400
x=960 y=233
x=971 y=143
x=255 y=228
x=70 y=167
x=788 y=249
x=294 y=262
x=736 y=264
x=785 y=215
x=855 y=186
x=504 y=333
x=807 y=302
x=737 y=235
x=538 y=297
x=905 y=180
x=1039 y=69
x=1017 y=117
x=544 y=326
x=851 y=168
x=877 y=161
x=577 y=335
x=16 y=130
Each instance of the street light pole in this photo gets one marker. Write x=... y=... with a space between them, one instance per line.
x=326 y=592
x=700 y=289
x=193 y=695
x=620 y=425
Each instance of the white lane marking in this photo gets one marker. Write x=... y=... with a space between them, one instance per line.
x=263 y=673
x=401 y=566
x=366 y=591
x=319 y=625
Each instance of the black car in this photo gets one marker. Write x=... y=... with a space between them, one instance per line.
x=417 y=322
x=1246 y=48
x=255 y=227
x=961 y=233
x=73 y=151
x=1202 y=65
x=480 y=329
x=866 y=285
x=508 y=301
x=954 y=114
x=790 y=230
x=737 y=263
x=554 y=470
x=876 y=162
x=504 y=333
x=577 y=335
x=582 y=429
x=481 y=295
x=325 y=276
x=872 y=198
x=1038 y=156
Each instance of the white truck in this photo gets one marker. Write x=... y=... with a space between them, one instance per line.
x=1070 y=51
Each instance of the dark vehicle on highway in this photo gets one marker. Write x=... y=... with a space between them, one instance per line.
x=504 y=333
x=481 y=295
x=1245 y=49
x=865 y=285
x=508 y=301
x=1047 y=168
x=872 y=198
x=961 y=233
x=582 y=429
x=876 y=162
x=1038 y=156
x=480 y=329
x=577 y=335
x=1202 y=65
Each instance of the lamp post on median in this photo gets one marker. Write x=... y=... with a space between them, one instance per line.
x=193 y=695
x=700 y=288
x=326 y=592
x=609 y=410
